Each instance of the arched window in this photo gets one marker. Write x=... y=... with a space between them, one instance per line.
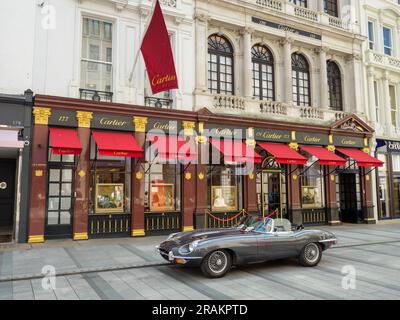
x=263 y=73
x=220 y=65
x=334 y=86
x=331 y=7
x=300 y=80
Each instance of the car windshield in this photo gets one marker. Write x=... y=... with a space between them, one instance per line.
x=249 y=221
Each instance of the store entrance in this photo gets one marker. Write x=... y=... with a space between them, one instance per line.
x=348 y=197
x=269 y=192
x=7 y=198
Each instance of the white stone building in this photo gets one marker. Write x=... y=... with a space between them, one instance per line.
x=380 y=24
x=284 y=28
x=73 y=48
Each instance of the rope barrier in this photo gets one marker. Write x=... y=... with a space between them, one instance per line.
x=243 y=211
x=226 y=220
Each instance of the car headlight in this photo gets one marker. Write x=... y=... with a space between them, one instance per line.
x=171 y=236
x=193 y=245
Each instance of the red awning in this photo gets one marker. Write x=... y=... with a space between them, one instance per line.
x=117 y=144
x=325 y=157
x=65 y=141
x=236 y=151
x=363 y=159
x=283 y=154
x=174 y=147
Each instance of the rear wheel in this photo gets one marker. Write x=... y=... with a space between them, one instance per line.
x=216 y=264
x=311 y=255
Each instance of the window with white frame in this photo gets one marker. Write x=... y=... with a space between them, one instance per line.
x=393 y=104
x=96 y=56
x=387 y=41
x=371 y=35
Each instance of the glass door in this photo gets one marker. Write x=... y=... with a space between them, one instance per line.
x=269 y=192
x=60 y=196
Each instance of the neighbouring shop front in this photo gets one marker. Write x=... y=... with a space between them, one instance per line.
x=15 y=136
x=388 y=179
x=110 y=170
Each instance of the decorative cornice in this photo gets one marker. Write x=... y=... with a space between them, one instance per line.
x=84 y=118
x=140 y=123
x=41 y=115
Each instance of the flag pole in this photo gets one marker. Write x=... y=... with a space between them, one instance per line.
x=141 y=41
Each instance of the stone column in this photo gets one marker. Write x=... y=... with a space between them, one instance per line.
x=138 y=172
x=201 y=25
x=247 y=63
x=324 y=102
x=82 y=178
x=39 y=172
x=371 y=95
x=287 y=70
x=355 y=69
x=387 y=107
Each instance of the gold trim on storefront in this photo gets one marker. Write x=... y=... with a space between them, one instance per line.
x=41 y=115
x=138 y=233
x=81 y=236
x=188 y=228
x=36 y=239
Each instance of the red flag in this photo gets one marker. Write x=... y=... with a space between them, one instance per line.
x=157 y=54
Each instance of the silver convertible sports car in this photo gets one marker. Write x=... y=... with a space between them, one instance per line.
x=253 y=240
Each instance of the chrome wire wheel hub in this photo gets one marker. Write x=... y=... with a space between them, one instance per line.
x=311 y=253
x=218 y=262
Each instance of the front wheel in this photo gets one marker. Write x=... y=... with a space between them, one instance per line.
x=311 y=255
x=216 y=264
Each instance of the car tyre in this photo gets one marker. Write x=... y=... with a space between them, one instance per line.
x=216 y=264
x=311 y=255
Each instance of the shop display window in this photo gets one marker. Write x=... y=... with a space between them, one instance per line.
x=225 y=188
x=162 y=187
x=312 y=186
x=110 y=183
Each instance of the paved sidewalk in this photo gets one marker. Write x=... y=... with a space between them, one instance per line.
x=70 y=257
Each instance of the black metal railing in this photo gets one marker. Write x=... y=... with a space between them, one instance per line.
x=112 y=225
x=158 y=102
x=222 y=220
x=96 y=95
x=162 y=223
x=314 y=216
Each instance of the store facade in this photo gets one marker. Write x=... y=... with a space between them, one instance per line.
x=107 y=169
x=388 y=179
x=15 y=136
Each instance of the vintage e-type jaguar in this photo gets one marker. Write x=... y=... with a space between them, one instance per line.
x=253 y=240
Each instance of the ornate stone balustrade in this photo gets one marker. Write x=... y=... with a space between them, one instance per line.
x=272 y=4
x=290 y=8
x=382 y=59
x=311 y=113
x=228 y=102
x=306 y=13
x=273 y=108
